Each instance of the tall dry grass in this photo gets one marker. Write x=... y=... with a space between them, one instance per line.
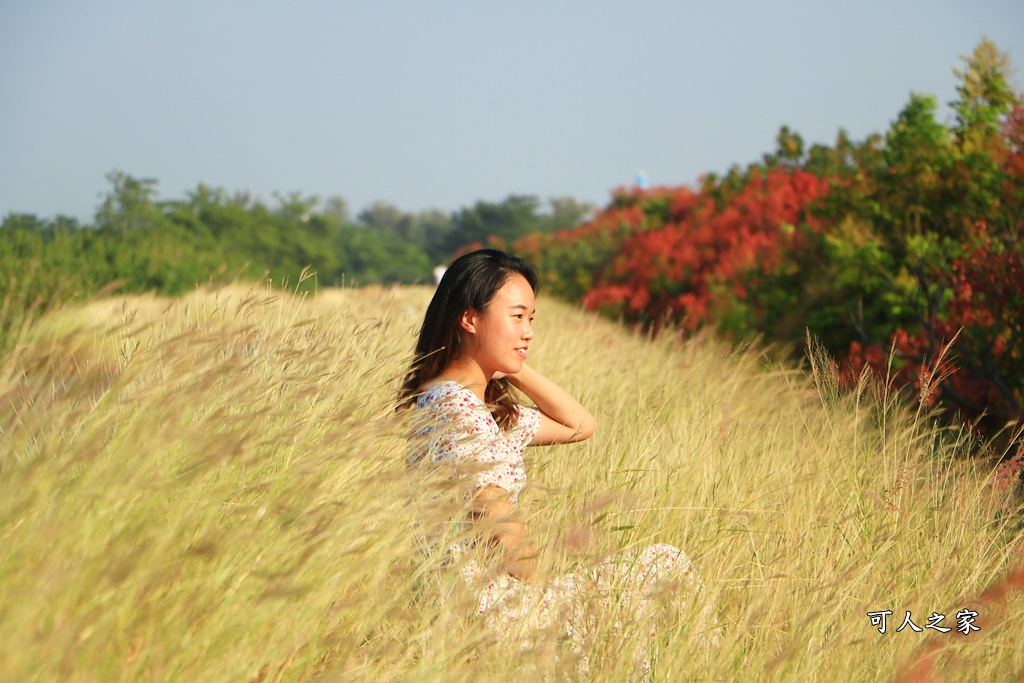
x=213 y=488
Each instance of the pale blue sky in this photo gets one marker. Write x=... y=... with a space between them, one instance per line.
x=438 y=104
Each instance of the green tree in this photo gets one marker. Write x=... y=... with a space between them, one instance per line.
x=336 y=210
x=984 y=100
x=566 y=212
x=789 y=150
x=129 y=205
x=435 y=226
x=504 y=222
x=385 y=217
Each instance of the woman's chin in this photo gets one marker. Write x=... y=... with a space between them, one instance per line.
x=511 y=369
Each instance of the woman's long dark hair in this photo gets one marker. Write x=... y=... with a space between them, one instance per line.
x=471 y=281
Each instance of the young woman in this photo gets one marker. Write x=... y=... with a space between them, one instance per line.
x=472 y=350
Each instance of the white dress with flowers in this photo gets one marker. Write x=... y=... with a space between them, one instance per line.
x=453 y=427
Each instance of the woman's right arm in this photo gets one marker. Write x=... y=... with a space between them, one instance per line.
x=563 y=418
x=493 y=511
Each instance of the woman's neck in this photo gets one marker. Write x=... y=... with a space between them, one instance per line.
x=467 y=373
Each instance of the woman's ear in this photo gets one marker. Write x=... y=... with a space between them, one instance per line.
x=468 y=321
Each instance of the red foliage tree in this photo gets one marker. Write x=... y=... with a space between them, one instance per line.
x=706 y=246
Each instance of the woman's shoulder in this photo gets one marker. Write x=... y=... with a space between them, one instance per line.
x=443 y=391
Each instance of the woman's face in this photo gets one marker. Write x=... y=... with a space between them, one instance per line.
x=503 y=332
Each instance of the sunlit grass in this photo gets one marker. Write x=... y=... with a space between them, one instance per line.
x=213 y=488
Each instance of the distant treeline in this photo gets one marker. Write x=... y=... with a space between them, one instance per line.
x=168 y=246
x=137 y=242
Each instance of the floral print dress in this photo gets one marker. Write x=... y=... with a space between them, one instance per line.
x=452 y=426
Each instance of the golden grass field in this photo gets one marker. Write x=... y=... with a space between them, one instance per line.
x=213 y=489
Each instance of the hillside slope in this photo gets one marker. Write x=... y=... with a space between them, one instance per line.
x=213 y=488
